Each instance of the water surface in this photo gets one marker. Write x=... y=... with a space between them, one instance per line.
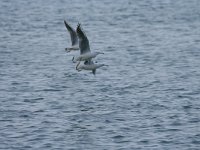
x=148 y=97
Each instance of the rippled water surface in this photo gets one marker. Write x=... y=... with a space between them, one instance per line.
x=147 y=98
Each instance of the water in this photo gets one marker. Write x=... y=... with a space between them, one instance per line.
x=148 y=97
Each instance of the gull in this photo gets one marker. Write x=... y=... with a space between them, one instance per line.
x=84 y=46
x=74 y=38
x=85 y=53
x=89 y=65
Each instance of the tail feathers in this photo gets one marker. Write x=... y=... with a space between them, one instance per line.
x=94 y=71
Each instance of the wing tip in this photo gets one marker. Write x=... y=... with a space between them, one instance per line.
x=78 y=27
x=65 y=22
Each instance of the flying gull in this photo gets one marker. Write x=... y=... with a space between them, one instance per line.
x=85 y=53
x=74 y=38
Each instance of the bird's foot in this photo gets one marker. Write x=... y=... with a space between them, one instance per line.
x=73 y=60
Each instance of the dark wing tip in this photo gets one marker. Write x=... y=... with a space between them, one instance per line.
x=65 y=23
x=69 y=28
x=80 y=32
x=79 y=24
x=78 y=29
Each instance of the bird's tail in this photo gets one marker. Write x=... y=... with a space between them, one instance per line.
x=94 y=72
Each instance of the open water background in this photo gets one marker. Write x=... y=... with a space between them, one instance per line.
x=148 y=97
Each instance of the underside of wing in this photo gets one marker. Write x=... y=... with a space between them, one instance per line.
x=83 y=40
x=72 y=32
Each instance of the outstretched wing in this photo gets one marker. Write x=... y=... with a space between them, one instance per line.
x=72 y=32
x=83 y=40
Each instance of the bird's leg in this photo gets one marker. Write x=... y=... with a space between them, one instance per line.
x=73 y=60
x=78 y=65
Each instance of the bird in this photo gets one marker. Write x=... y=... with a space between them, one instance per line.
x=84 y=46
x=89 y=65
x=85 y=53
x=74 y=38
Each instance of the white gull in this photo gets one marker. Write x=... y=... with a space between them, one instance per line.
x=85 y=53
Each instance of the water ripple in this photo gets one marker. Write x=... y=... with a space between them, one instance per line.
x=148 y=97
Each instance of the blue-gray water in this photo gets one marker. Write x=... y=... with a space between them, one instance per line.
x=148 y=97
